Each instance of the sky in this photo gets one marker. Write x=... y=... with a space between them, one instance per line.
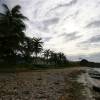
x=68 y=26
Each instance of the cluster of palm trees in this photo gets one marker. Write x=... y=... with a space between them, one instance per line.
x=15 y=46
x=54 y=58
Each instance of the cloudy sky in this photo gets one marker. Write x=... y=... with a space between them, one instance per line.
x=69 y=26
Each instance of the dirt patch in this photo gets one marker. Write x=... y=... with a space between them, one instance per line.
x=55 y=84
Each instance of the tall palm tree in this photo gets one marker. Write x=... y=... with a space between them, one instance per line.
x=47 y=55
x=37 y=46
x=11 y=30
x=53 y=57
x=58 y=58
x=27 y=48
x=61 y=57
x=11 y=21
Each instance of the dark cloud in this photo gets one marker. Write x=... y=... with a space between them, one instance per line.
x=92 y=42
x=64 y=5
x=94 y=39
x=71 y=36
x=94 y=24
x=46 y=39
x=50 y=21
x=38 y=5
x=73 y=15
x=44 y=25
x=67 y=4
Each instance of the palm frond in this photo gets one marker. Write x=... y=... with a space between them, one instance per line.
x=5 y=6
x=16 y=9
x=16 y=13
x=7 y=10
x=19 y=16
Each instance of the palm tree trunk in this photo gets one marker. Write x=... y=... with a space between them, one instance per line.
x=36 y=58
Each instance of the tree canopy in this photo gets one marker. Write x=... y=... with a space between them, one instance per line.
x=16 y=47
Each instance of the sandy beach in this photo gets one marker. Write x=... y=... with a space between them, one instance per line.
x=52 y=84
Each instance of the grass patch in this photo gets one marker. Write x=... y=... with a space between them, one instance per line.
x=26 y=67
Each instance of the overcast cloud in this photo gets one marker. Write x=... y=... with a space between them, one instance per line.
x=70 y=26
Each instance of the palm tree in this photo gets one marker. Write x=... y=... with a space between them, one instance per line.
x=53 y=57
x=27 y=49
x=61 y=58
x=37 y=46
x=11 y=22
x=11 y=30
x=58 y=58
x=47 y=54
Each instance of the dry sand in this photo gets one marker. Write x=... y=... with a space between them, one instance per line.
x=52 y=84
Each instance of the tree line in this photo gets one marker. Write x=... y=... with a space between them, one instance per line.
x=16 y=47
